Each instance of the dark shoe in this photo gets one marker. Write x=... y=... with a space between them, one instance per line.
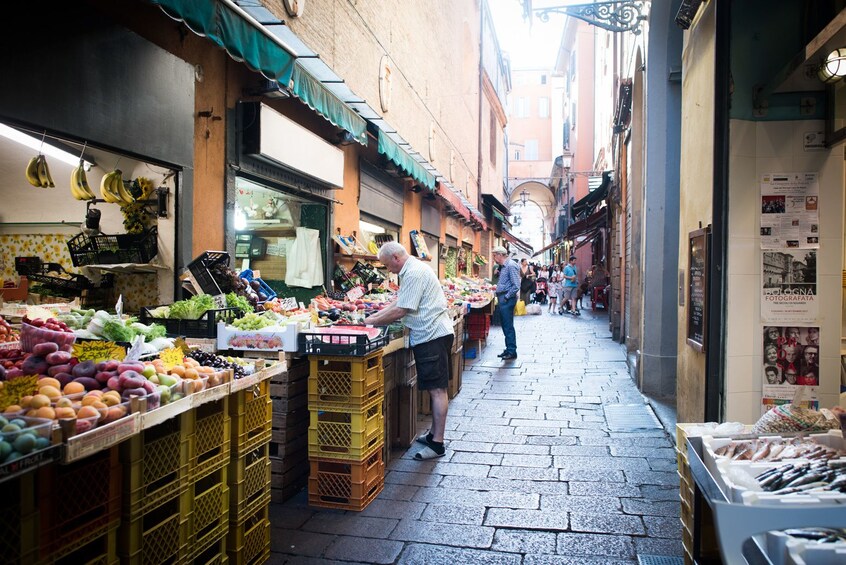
x=504 y=353
x=509 y=356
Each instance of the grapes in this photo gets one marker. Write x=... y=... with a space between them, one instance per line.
x=216 y=361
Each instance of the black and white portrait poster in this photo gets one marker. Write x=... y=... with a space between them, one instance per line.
x=790 y=211
x=791 y=359
x=789 y=286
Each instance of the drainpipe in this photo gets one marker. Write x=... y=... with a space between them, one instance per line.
x=484 y=6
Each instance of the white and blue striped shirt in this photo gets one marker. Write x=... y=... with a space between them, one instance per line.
x=421 y=294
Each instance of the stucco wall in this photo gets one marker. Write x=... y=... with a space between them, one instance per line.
x=758 y=148
x=696 y=183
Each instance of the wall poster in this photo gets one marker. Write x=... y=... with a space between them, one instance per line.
x=791 y=360
x=789 y=286
x=790 y=215
x=697 y=304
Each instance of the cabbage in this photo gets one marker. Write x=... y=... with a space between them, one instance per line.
x=150 y=332
x=115 y=330
x=192 y=308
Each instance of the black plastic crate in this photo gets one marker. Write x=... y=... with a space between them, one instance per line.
x=205 y=326
x=347 y=345
x=113 y=249
x=200 y=269
x=28 y=265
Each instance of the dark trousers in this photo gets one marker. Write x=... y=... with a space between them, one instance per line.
x=506 y=315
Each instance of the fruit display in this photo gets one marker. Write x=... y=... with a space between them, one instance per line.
x=79 y=187
x=38 y=173
x=40 y=331
x=334 y=310
x=465 y=289
x=8 y=334
x=113 y=190
x=21 y=436
x=240 y=368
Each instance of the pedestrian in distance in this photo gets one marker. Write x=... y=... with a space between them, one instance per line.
x=527 y=279
x=507 y=290
x=571 y=287
x=422 y=307
x=554 y=288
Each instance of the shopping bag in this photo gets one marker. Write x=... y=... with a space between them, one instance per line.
x=533 y=309
x=520 y=308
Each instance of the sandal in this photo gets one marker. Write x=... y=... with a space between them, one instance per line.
x=423 y=438
x=427 y=453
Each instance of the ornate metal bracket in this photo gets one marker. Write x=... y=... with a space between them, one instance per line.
x=623 y=15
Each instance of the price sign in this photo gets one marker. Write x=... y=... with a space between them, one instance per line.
x=98 y=351
x=171 y=357
x=180 y=343
x=220 y=301
x=16 y=389
x=355 y=293
x=287 y=304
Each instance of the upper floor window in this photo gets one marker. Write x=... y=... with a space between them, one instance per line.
x=543 y=107
x=543 y=79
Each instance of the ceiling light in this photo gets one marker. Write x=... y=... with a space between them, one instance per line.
x=43 y=147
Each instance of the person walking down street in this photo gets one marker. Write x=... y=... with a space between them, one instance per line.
x=554 y=287
x=527 y=280
x=571 y=287
x=507 y=290
x=422 y=306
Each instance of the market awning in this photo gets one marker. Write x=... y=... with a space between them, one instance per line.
x=587 y=205
x=550 y=246
x=402 y=159
x=518 y=243
x=312 y=92
x=226 y=25
x=453 y=200
x=595 y=221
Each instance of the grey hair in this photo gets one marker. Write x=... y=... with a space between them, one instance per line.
x=391 y=248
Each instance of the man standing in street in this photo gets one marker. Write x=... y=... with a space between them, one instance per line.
x=422 y=306
x=507 y=290
x=571 y=286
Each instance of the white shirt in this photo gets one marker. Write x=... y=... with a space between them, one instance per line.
x=421 y=294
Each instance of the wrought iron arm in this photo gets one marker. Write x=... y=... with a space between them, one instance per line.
x=623 y=15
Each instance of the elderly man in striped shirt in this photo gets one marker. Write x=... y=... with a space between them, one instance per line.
x=422 y=306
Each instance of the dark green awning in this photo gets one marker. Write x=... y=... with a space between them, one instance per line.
x=321 y=100
x=400 y=157
x=228 y=29
x=586 y=206
x=497 y=215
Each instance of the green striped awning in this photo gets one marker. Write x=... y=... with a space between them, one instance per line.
x=324 y=102
x=497 y=215
x=400 y=157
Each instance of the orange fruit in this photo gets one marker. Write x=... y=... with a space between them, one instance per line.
x=95 y=392
x=192 y=374
x=25 y=400
x=73 y=387
x=39 y=401
x=90 y=399
x=88 y=412
x=49 y=381
x=46 y=412
x=205 y=370
x=12 y=408
x=50 y=391
x=111 y=398
x=177 y=370
x=65 y=412
x=64 y=402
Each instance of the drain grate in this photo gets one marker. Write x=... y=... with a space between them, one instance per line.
x=659 y=560
x=629 y=417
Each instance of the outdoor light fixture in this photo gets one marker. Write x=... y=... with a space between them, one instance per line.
x=43 y=147
x=416 y=188
x=524 y=196
x=834 y=66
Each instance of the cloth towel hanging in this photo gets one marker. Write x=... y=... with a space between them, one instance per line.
x=304 y=268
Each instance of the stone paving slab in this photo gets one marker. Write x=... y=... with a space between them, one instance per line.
x=533 y=473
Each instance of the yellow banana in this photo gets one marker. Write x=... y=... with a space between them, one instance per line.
x=44 y=173
x=121 y=189
x=105 y=188
x=74 y=185
x=83 y=185
x=32 y=172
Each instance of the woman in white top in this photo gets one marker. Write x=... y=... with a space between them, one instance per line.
x=544 y=272
x=554 y=287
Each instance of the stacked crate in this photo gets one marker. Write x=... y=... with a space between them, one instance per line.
x=289 y=437
x=249 y=471
x=346 y=434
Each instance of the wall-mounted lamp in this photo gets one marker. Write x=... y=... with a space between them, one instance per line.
x=415 y=188
x=271 y=89
x=833 y=68
x=524 y=196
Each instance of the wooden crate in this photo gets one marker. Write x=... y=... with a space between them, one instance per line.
x=406 y=401
x=390 y=414
x=285 y=405
x=424 y=405
x=456 y=368
x=390 y=363
x=291 y=475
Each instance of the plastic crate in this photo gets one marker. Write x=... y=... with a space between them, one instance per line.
x=78 y=503
x=345 y=383
x=208 y=519
x=209 y=429
x=351 y=435
x=99 y=551
x=200 y=270
x=112 y=249
x=346 y=345
x=249 y=483
x=264 y=288
x=203 y=327
x=19 y=520
x=214 y=554
x=343 y=484
x=155 y=465
x=248 y=542
x=251 y=418
x=157 y=537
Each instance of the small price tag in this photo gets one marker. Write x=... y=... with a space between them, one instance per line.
x=16 y=389
x=220 y=301
x=98 y=351
x=171 y=357
x=355 y=293
x=289 y=303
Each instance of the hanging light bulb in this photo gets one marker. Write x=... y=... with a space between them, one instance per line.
x=834 y=66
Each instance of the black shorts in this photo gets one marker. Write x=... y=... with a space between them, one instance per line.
x=433 y=363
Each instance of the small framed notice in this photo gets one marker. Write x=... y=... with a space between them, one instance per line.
x=697 y=302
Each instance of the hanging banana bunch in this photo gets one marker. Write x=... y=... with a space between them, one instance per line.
x=113 y=190
x=38 y=173
x=79 y=187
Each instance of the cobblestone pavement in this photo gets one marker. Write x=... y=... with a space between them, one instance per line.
x=533 y=474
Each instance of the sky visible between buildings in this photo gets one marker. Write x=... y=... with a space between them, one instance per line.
x=532 y=46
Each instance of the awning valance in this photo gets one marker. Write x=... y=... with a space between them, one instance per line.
x=312 y=92
x=550 y=246
x=225 y=25
x=598 y=219
x=518 y=243
x=453 y=200
x=497 y=215
x=400 y=157
x=586 y=205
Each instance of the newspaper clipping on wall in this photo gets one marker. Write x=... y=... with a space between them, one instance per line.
x=791 y=360
x=790 y=214
x=789 y=286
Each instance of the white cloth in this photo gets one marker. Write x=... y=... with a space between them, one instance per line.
x=304 y=267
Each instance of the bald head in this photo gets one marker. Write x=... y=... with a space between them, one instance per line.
x=393 y=255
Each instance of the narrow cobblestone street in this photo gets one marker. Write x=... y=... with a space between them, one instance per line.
x=534 y=471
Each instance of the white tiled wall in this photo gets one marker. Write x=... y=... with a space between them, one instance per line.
x=758 y=148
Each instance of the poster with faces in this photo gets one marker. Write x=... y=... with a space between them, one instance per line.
x=791 y=360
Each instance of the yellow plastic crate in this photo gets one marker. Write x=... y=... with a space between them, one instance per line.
x=251 y=413
x=155 y=465
x=249 y=483
x=213 y=554
x=351 y=435
x=346 y=485
x=209 y=429
x=248 y=542
x=207 y=518
x=345 y=384
x=99 y=551
x=19 y=520
x=157 y=537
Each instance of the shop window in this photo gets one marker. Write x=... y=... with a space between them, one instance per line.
x=266 y=222
x=375 y=231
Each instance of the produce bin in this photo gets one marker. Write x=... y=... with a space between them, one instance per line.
x=19 y=520
x=210 y=436
x=351 y=435
x=203 y=327
x=248 y=542
x=249 y=483
x=112 y=249
x=201 y=273
x=251 y=418
x=158 y=536
x=340 y=343
x=346 y=485
x=263 y=287
x=208 y=519
x=345 y=383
